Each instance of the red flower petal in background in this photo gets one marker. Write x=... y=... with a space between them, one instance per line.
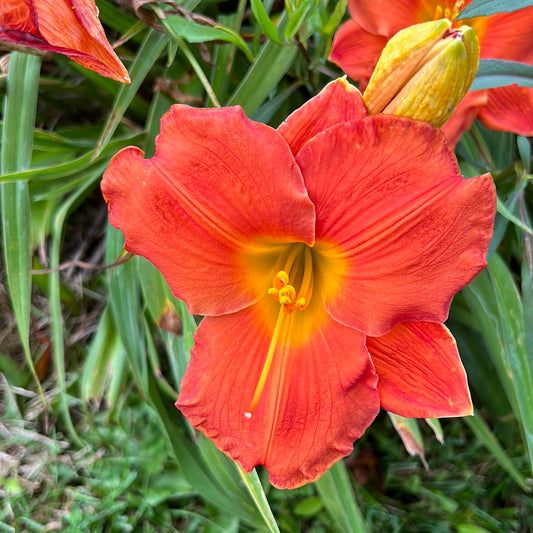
x=296 y=260
x=509 y=109
x=507 y=36
x=69 y=27
x=464 y=115
x=356 y=51
x=386 y=17
x=502 y=108
x=420 y=372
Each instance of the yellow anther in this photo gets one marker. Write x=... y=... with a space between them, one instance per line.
x=457 y=8
x=282 y=278
x=300 y=303
x=287 y=295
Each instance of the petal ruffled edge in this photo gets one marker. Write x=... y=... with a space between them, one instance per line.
x=339 y=101
x=390 y=202
x=210 y=209
x=420 y=371
x=319 y=397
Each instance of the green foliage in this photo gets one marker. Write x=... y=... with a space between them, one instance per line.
x=481 y=8
x=94 y=344
x=497 y=73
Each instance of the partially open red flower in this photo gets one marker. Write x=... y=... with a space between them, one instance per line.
x=359 y=41
x=69 y=27
x=323 y=255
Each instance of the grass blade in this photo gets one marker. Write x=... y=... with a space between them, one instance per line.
x=337 y=494
x=54 y=288
x=513 y=334
x=483 y=8
x=498 y=73
x=484 y=434
x=148 y=53
x=124 y=299
x=253 y=484
x=269 y=66
x=495 y=303
x=17 y=144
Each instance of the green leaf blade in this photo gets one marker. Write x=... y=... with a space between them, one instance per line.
x=337 y=494
x=484 y=8
x=499 y=73
x=193 y=32
x=17 y=145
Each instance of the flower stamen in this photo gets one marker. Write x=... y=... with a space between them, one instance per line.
x=289 y=300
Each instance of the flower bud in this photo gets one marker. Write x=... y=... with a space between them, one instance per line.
x=424 y=71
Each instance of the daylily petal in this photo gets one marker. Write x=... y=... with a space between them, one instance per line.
x=356 y=51
x=509 y=109
x=219 y=189
x=312 y=408
x=508 y=36
x=420 y=372
x=386 y=17
x=69 y=27
x=339 y=101
x=464 y=115
x=413 y=245
x=16 y=15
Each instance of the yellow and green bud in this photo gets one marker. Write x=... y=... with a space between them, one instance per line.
x=424 y=71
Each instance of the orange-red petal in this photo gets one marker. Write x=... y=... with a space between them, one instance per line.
x=464 y=115
x=388 y=194
x=386 y=17
x=69 y=27
x=337 y=102
x=508 y=36
x=205 y=208
x=319 y=397
x=420 y=372
x=509 y=109
x=356 y=51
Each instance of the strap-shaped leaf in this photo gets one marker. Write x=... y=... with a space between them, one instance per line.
x=498 y=73
x=483 y=8
x=193 y=32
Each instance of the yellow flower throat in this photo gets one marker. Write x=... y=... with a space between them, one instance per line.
x=443 y=11
x=297 y=268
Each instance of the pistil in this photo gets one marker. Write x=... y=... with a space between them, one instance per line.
x=298 y=266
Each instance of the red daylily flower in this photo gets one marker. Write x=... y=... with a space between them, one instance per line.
x=69 y=27
x=323 y=255
x=359 y=41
